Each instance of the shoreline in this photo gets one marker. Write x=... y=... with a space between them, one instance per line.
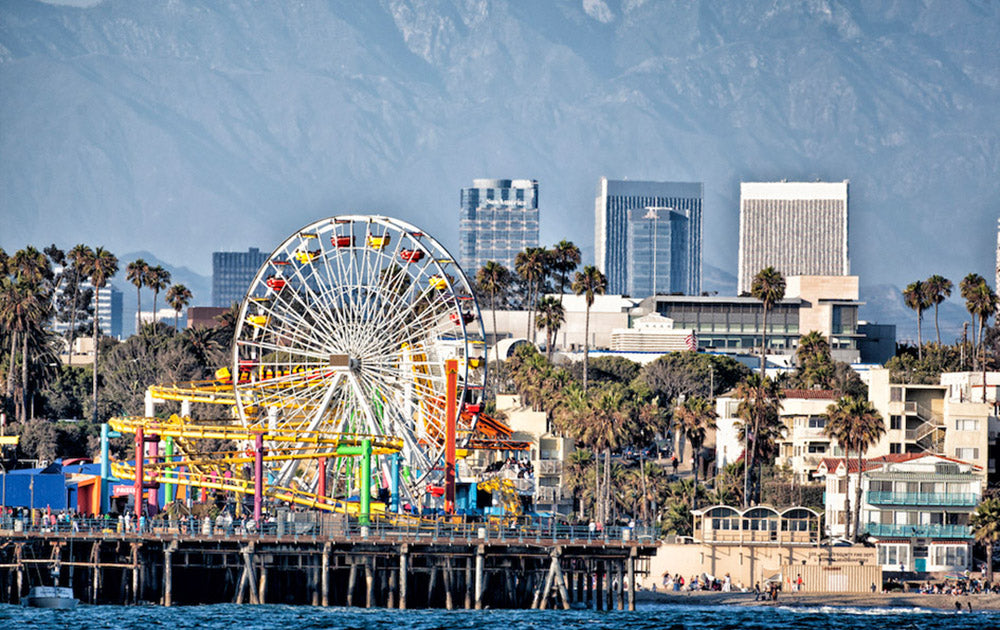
x=839 y=600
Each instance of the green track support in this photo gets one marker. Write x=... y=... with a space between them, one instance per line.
x=364 y=518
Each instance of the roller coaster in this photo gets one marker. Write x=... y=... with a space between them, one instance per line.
x=358 y=364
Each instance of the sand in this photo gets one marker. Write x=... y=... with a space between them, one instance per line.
x=857 y=600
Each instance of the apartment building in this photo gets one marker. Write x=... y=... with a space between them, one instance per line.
x=915 y=507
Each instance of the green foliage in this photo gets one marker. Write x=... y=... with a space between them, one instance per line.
x=908 y=368
x=65 y=396
x=692 y=373
x=609 y=369
x=46 y=440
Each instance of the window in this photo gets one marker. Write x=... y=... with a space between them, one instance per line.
x=893 y=555
x=950 y=555
x=896 y=394
x=895 y=422
x=895 y=447
x=817 y=447
x=817 y=422
x=967 y=453
x=967 y=424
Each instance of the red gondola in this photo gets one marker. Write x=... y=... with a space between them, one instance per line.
x=411 y=255
x=342 y=241
x=465 y=318
x=275 y=283
x=473 y=408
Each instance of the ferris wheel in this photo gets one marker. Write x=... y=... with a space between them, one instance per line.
x=346 y=329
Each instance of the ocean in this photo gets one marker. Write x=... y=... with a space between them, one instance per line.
x=651 y=616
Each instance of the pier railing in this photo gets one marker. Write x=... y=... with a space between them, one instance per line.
x=423 y=530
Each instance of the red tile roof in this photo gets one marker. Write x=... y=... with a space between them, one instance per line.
x=819 y=394
x=832 y=463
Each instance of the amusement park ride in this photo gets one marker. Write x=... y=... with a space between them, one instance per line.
x=358 y=368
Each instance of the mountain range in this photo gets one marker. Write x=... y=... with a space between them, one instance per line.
x=194 y=126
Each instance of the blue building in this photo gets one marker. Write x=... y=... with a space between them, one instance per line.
x=498 y=219
x=232 y=273
x=648 y=237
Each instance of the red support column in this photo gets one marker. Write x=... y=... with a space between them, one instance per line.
x=154 y=494
x=451 y=411
x=321 y=488
x=140 y=444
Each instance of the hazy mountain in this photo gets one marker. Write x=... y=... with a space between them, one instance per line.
x=190 y=126
x=199 y=285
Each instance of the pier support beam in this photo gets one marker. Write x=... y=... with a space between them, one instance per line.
x=324 y=577
x=631 y=579
x=404 y=552
x=480 y=562
x=168 y=573
x=369 y=582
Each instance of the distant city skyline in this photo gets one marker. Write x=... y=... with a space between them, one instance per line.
x=497 y=219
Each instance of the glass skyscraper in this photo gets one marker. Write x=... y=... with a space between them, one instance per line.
x=232 y=273
x=498 y=219
x=648 y=237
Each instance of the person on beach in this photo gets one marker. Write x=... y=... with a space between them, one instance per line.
x=798 y=583
x=756 y=592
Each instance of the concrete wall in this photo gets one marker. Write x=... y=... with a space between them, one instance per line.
x=746 y=564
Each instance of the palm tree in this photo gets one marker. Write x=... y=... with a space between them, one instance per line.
x=157 y=279
x=589 y=282
x=76 y=257
x=136 y=272
x=24 y=306
x=938 y=290
x=760 y=402
x=916 y=297
x=178 y=296
x=695 y=415
x=967 y=288
x=608 y=425
x=550 y=317
x=531 y=265
x=986 y=529
x=564 y=257
x=856 y=425
x=983 y=303
x=769 y=287
x=30 y=265
x=101 y=267
x=494 y=279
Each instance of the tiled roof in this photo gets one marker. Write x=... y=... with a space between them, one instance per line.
x=817 y=394
x=831 y=463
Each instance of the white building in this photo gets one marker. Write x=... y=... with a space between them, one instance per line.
x=915 y=507
x=653 y=333
x=799 y=228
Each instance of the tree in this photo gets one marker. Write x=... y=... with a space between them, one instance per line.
x=983 y=303
x=78 y=257
x=916 y=297
x=589 y=282
x=986 y=529
x=967 y=288
x=938 y=289
x=816 y=366
x=695 y=415
x=157 y=279
x=531 y=265
x=494 y=279
x=564 y=259
x=760 y=402
x=137 y=273
x=101 y=267
x=856 y=425
x=691 y=373
x=178 y=296
x=23 y=309
x=550 y=318
x=769 y=287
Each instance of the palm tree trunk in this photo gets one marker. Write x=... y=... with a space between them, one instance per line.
x=972 y=349
x=72 y=319
x=857 y=498
x=10 y=366
x=847 y=495
x=597 y=487
x=155 y=293
x=694 y=469
x=920 y=338
x=24 y=377
x=607 y=485
x=97 y=299
x=138 y=308
x=982 y=346
x=937 y=329
x=763 y=345
x=645 y=492
x=586 y=347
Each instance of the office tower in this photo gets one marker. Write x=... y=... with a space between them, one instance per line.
x=498 y=219
x=799 y=228
x=109 y=310
x=647 y=236
x=232 y=273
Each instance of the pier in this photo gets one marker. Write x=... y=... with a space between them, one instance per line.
x=332 y=562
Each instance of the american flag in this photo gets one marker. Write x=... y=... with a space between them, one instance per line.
x=691 y=341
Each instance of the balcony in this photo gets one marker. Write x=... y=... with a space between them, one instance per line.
x=923 y=498
x=922 y=531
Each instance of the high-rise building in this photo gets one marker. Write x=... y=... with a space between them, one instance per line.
x=232 y=273
x=498 y=219
x=647 y=236
x=799 y=228
x=109 y=310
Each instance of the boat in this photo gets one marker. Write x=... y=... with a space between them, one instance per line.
x=50 y=597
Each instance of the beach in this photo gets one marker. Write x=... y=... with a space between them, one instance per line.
x=854 y=600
